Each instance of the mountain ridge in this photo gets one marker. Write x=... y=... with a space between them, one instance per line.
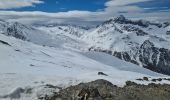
x=127 y=40
x=140 y=42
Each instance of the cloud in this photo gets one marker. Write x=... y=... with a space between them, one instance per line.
x=153 y=8
x=9 y=4
x=113 y=8
x=69 y=14
x=113 y=3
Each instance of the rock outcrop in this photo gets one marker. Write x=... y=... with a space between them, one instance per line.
x=104 y=90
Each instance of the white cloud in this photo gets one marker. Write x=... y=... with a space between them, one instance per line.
x=113 y=7
x=152 y=8
x=8 y=4
x=112 y=3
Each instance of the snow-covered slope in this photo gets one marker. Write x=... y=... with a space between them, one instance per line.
x=137 y=41
x=68 y=30
x=69 y=34
x=46 y=36
x=34 y=58
x=26 y=68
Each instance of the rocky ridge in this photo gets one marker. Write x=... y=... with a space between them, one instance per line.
x=104 y=90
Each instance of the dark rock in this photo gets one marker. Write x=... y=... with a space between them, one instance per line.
x=145 y=78
x=130 y=83
x=168 y=32
x=32 y=65
x=155 y=59
x=15 y=31
x=154 y=80
x=18 y=50
x=86 y=94
x=151 y=57
x=104 y=90
x=101 y=73
x=122 y=20
x=52 y=86
x=168 y=79
x=159 y=79
x=166 y=24
x=3 y=42
x=124 y=56
x=139 y=79
x=138 y=31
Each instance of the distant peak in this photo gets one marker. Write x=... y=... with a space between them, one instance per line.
x=120 y=18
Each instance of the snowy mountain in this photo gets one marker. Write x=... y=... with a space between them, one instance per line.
x=26 y=66
x=44 y=35
x=68 y=30
x=16 y=29
x=34 y=57
x=140 y=42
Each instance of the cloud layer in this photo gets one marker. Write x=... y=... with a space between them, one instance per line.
x=113 y=8
x=9 y=4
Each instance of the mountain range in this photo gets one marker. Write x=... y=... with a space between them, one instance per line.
x=140 y=42
x=117 y=50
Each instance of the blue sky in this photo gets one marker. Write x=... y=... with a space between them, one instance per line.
x=89 y=5
x=66 y=5
x=82 y=11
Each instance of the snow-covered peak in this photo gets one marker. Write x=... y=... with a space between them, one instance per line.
x=141 y=22
x=131 y=40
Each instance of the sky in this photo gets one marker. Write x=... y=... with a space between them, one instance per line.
x=83 y=12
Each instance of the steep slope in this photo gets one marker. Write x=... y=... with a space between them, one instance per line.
x=29 y=67
x=137 y=41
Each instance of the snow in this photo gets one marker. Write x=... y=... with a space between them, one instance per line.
x=107 y=36
x=25 y=64
x=58 y=55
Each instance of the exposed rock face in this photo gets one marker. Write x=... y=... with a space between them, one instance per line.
x=166 y=24
x=125 y=56
x=151 y=57
x=16 y=30
x=168 y=32
x=138 y=31
x=122 y=20
x=157 y=59
x=104 y=90
x=96 y=90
